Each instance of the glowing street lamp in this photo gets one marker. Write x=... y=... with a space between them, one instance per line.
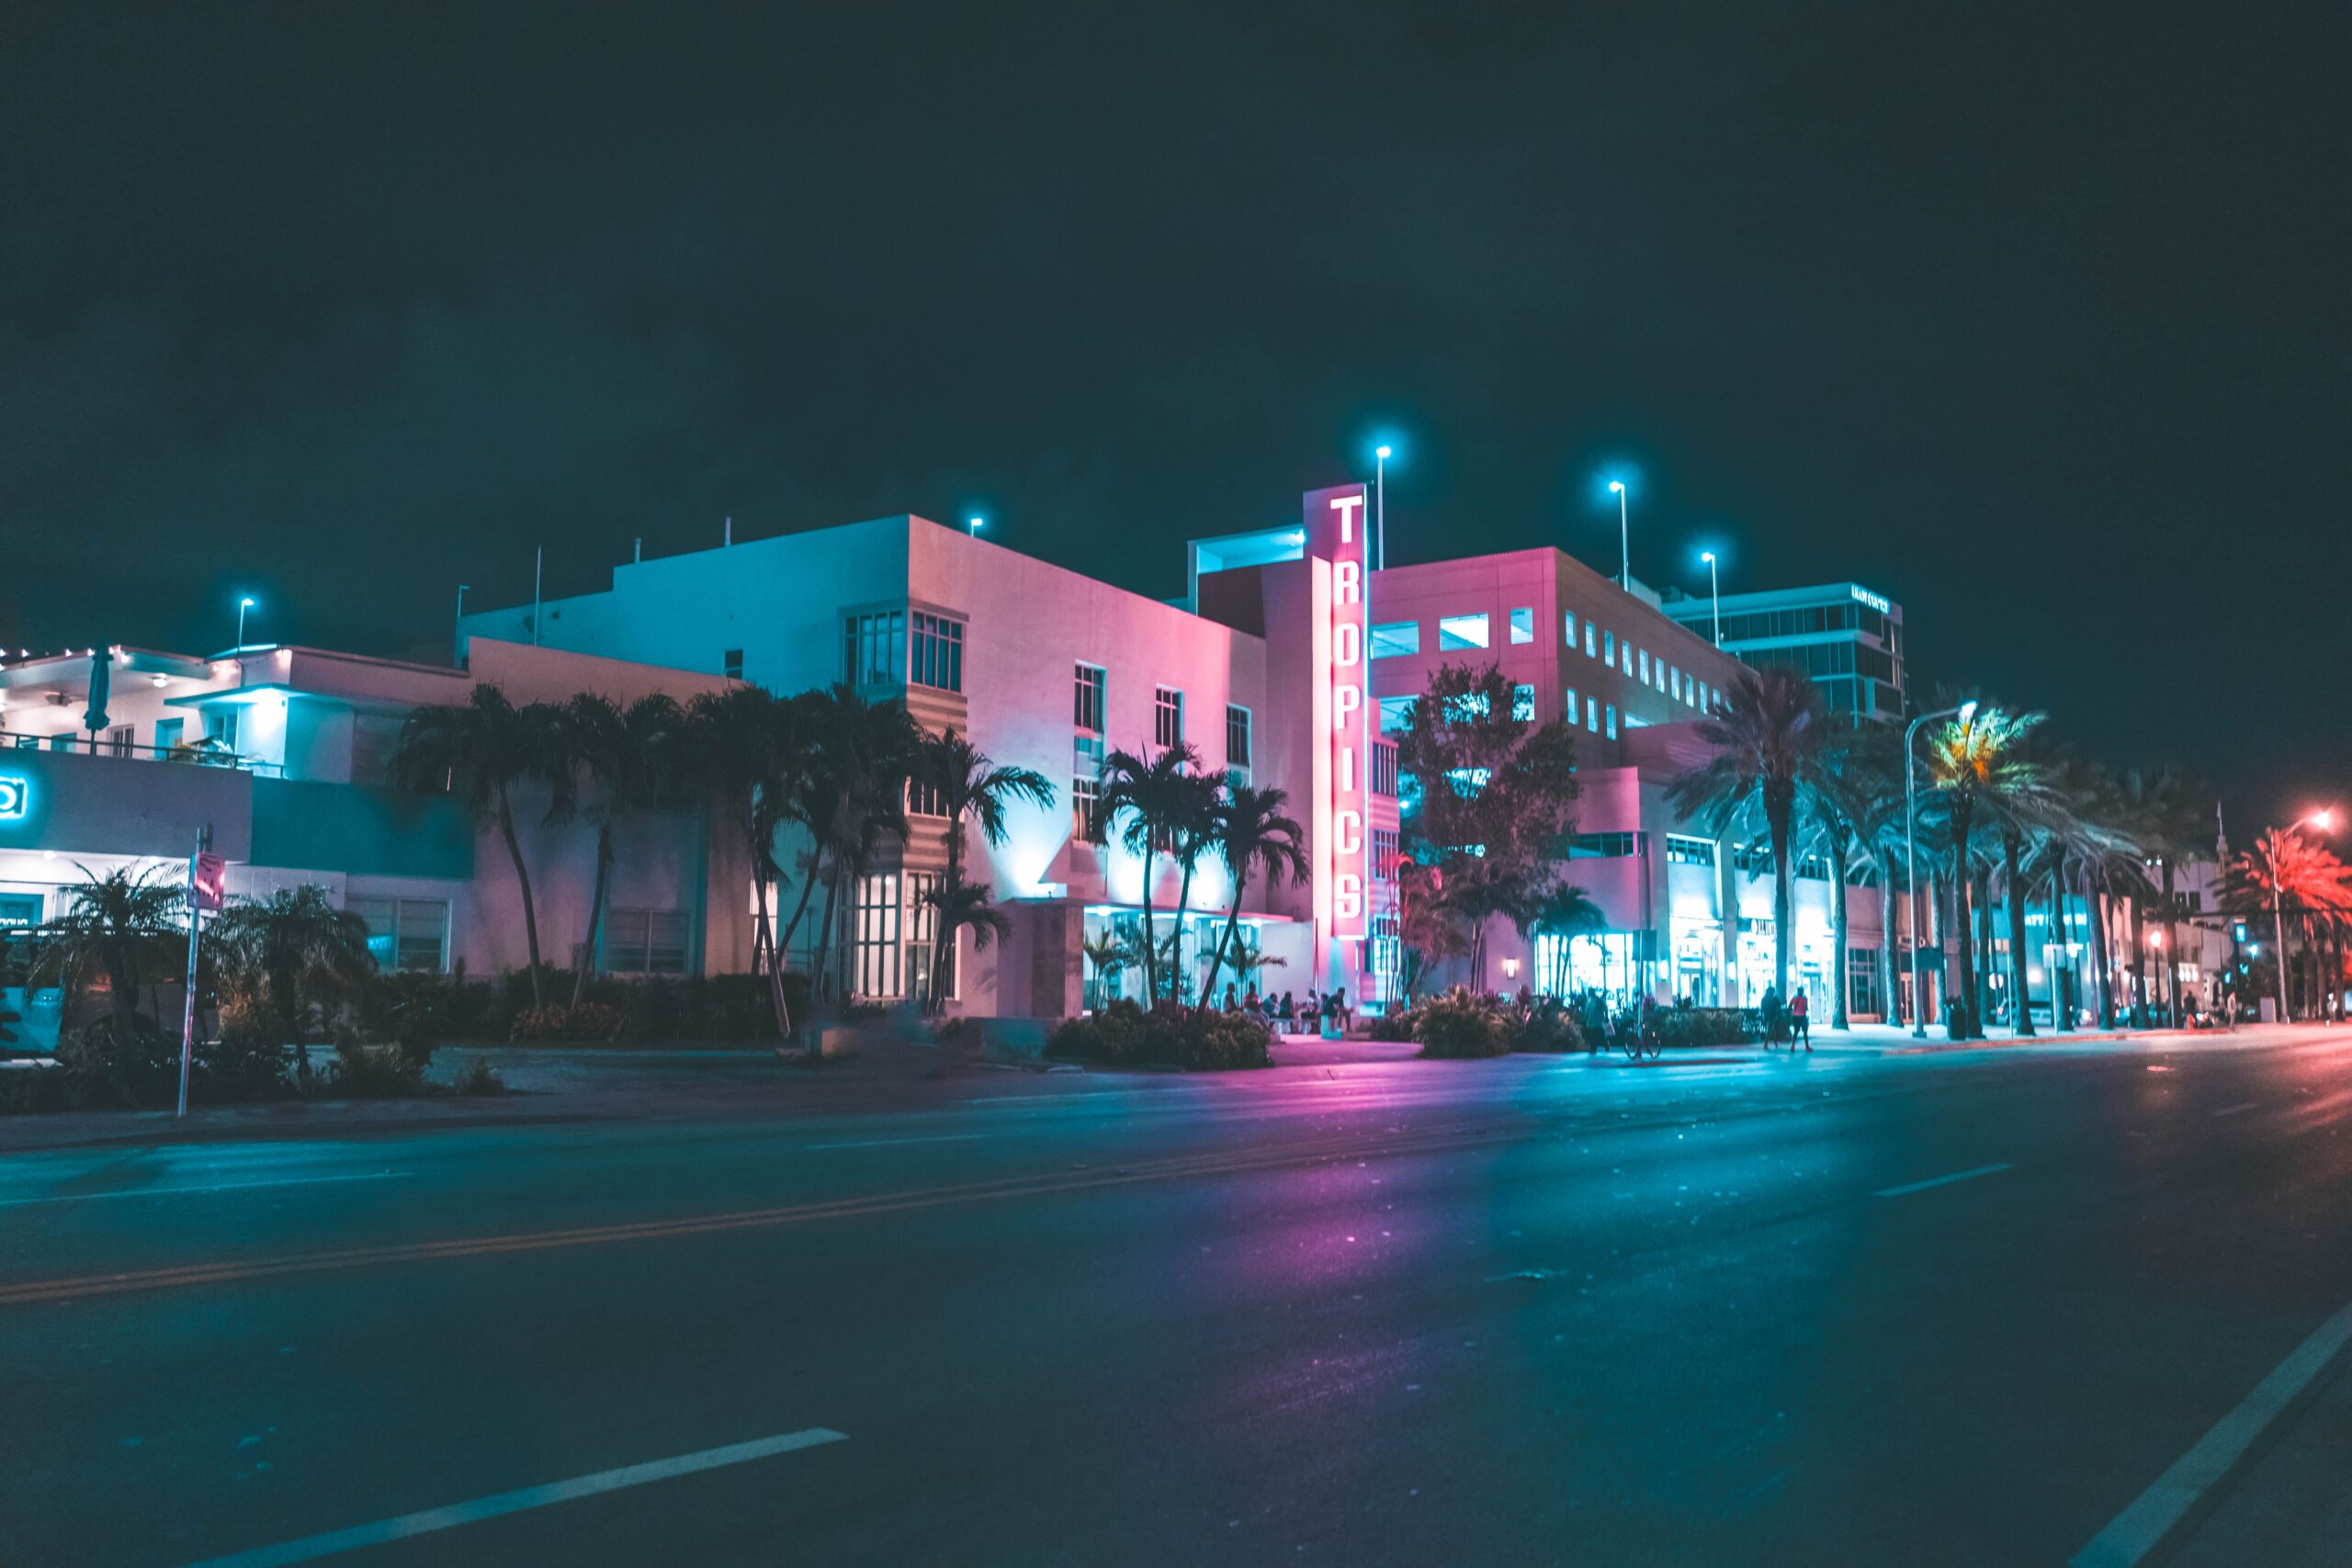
x=1624 y=539
x=1715 y=596
x=242 y=606
x=974 y=526
x=1381 y=454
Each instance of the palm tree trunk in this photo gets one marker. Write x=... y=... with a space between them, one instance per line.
x=1150 y=937
x=2139 y=963
x=1777 y=812
x=1837 y=1019
x=595 y=913
x=1183 y=906
x=1889 y=1011
x=2062 y=1011
x=522 y=876
x=2013 y=892
x=1960 y=881
x=2103 y=958
x=1225 y=941
x=2171 y=959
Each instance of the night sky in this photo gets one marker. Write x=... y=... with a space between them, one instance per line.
x=2035 y=322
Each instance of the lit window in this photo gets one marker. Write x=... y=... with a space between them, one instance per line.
x=1523 y=704
x=1087 y=704
x=938 y=653
x=1592 y=715
x=1392 y=639
x=643 y=941
x=1627 y=659
x=1609 y=647
x=405 y=933
x=1383 y=855
x=1237 y=738
x=1571 y=707
x=1568 y=619
x=1645 y=657
x=1086 y=809
x=873 y=649
x=1684 y=851
x=1462 y=631
x=1522 y=626
x=1167 y=718
x=1587 y=639
x=1396 y=715
x=1610 y=715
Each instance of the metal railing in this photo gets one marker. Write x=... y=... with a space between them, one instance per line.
x=199 y=753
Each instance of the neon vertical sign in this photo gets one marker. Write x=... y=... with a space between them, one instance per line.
x=1337 y=519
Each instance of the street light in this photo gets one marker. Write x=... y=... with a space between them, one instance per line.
x=458 y=639
x=2325 y=820
x=975 y=526
x=1380 y=505
x=1624 y=539
x=1965 y=711
x=242 y=606
x=1715 y=596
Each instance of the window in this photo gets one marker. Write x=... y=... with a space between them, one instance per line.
x=1682 y=850
x=1167 y=718
x=939 y=652
x=1751 y=860
x=1603 y=846
x=406 y=933
x=221 y=725
x=1592 y=715
x=1861 y=981
x=1086 y=823
x=1674 y=682
x=1087 y=702
x=925 y=798
x=1383 y=855
x=1569 y=624
x=119 y=739
x=18 y=911
x=167 y=733
x=873 y=649
x=731 y=663
x=1393 y=639
x=1523 y=704
x=1626 y=650
x=1522 y=626
x=1396 y=715
x=870 y=943
x=1609 y=647
x=1384 y=768
x=1237 y=738
x=1814 y=868
x=1644 y=656
x=1461 y=631
x=1572 y=710
x=643 y=941
x=1587 y=639
x=1610 y=714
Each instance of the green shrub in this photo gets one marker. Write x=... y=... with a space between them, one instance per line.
x=1462 y=1024
x=1548 y=1026
x=560 y=1021
x=373 y=1072
x=1396 y=1023
x=1711 y=1026
x=1123 y=1034
x=140 y=1068
x=479 y=1079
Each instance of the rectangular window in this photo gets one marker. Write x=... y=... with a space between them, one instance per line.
x=1674 y=682
x=1610 y=714
x=1523 y=704
x=406 y=933
x=1603 y=846
x=1573 y=712
x=870 y=942
x=1592 y=715
x=922 y=934
x=1383 y=855
x=167 y=733
x=1626 y=650
x=1569 y=624
x=643 y=941
x=1461 y=631
x=1861 y=981
x=1522 y=626
x=1392 y=639
x=18 y=911
x=1167 y=718
x=220 y=726
x=1087 y=822
x=1644 y=655
x=1609 y=647
x=1682 y=850
x=118 y=740
x=1237 y=738
x=925 y=798
x=874 y=648
x=1087 y=704
x=1384 y=768
x=731 y=663
x=938 y=653
x=1396 y=715
x=1587 y=639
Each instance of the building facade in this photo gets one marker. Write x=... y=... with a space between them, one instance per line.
x=1846 y=638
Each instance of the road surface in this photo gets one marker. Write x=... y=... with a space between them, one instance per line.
x=1944 y=1308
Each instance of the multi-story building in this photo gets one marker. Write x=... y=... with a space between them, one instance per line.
x=1846 y=638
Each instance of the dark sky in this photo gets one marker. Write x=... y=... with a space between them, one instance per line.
x=2032 y=317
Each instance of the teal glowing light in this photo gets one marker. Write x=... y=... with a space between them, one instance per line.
x=15 y=795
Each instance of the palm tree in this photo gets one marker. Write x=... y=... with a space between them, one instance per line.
x=1251 y=830
x=1566 y=912
x=629 y=759
x=961 y=782
x=288 y=946
x=2164 y=813
x=1845 y=793
x=2285 y=871
x=114 y=924
x=1973 y=759
x=483 y=747
x=854 y=796
x=1768 y=737
x=959 y=907
x=1111 y=958
x=752 y=748
x=1143 y=802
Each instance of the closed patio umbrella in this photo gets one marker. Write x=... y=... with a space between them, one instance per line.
x=94 y=717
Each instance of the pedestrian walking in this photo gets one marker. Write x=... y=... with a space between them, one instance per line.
x=1801 y=1018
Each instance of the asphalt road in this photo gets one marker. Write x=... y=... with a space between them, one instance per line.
x=1921 y=1310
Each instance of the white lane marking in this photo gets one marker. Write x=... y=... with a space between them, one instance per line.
x=1940 y=1180
x=884 y=1143
x=2234 y=1109
x=2157 y=1515
x=310 y=1547
x=215 y=1187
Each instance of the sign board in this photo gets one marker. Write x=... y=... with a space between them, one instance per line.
x=211 y=878
x=1874 y=601
x=15 y=795
x=1337 y=522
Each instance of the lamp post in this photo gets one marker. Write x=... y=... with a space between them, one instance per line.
x=1624 y=539
x=1911 y=859
x=1714 y=596
x=974 y=526
x=2325 y=820
x=457 y=637
x=242 y=606
x=1380 y=506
